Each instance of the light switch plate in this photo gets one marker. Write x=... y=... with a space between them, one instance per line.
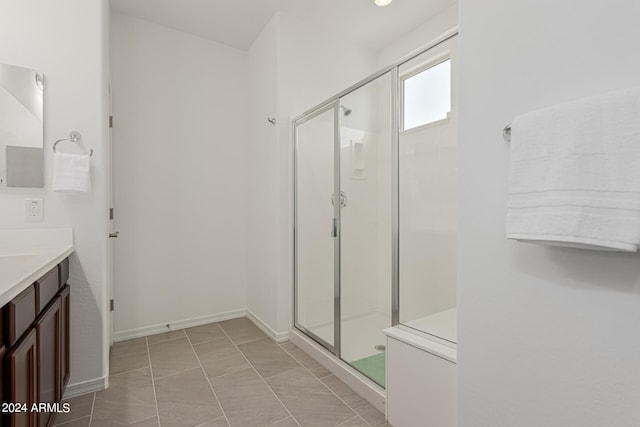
x=34 y=210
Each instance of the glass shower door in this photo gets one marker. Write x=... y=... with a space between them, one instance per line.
x=316 y=245
x=365 y=225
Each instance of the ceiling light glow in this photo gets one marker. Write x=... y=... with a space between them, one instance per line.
x=382 y=2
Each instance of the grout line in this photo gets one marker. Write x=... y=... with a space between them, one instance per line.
x=93 y=404
x=131 y=370
x=195 y=344
x=147 y=419
x=70 y=421
x=280 y=420
x=263 y=380
x=230 y=373
x=351 y=419
x=250 y=341
x=215 y=395
x=153 y=383
x=213 y=419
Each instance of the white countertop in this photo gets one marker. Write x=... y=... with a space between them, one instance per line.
x=26 y=255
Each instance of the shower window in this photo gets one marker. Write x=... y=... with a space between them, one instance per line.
x=426 y=94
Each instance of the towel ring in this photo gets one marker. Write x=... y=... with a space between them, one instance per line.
x=74 y=136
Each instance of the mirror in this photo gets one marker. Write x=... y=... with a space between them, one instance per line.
x=21 y=128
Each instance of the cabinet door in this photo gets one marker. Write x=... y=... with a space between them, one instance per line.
x=22 y=373
x=65 y=294
x=48 y=327
x=20 y=313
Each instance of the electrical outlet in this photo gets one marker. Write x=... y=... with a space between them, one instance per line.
x=34 y=210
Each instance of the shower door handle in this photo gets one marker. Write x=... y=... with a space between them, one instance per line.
x=334 y=228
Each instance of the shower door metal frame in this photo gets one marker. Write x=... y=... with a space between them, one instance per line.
x=334 y=102
x=334 y=227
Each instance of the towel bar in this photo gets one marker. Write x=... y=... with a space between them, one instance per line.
x=74 y=136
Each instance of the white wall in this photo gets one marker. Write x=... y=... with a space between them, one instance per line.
x=66 y=41
x=419 y=37
x=180 y=171
x=312 y=65
x=547 y=336
x=262 y=209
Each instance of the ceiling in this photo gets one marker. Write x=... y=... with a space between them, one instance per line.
x=237 y=23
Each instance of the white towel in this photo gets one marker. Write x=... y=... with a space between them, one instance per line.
x=71 y=172
x=574 y=174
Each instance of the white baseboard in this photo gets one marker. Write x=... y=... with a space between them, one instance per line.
x=179 y=324
x=360 y=384
x=85 y=387
x=278 y=337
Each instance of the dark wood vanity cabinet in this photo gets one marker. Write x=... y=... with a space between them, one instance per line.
x=21 y=375
x=35 y=350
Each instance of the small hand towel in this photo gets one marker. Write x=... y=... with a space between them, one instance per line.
x=71 y=172
x=574 y=174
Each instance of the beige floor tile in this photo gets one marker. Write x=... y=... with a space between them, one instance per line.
x=172 y=357
x=246 y=400
x=233 y=357
x=79 y=407
x=241 y=330
x=218 y=422
x=129 y=399
x=203 y=333
x=128 y=347
x=341 y=389
x=363 y=408
x=135 y=361
x=308 y=400
x=186 y=399
x=305 y=360
x=82 y=422
x=368 y=412
x=166 y=336
x=287 y=422
x=267 y=357
x=151 y=422
x=354 y=422
x=220 y=357
x=128 y=356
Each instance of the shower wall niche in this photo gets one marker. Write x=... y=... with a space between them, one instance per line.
x=374 y=211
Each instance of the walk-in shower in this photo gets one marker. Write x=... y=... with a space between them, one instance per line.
x=384 y=255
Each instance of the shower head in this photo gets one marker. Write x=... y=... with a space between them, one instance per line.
x=346 y=111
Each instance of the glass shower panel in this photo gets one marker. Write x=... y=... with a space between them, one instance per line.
x=427 y=169
x=314 y=263
x=365 y=226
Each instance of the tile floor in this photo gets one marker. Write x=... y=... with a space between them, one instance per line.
x=220 y=374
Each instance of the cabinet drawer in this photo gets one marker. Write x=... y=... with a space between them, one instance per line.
x=47 y=287
x=64 y=272
x=20 y=314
